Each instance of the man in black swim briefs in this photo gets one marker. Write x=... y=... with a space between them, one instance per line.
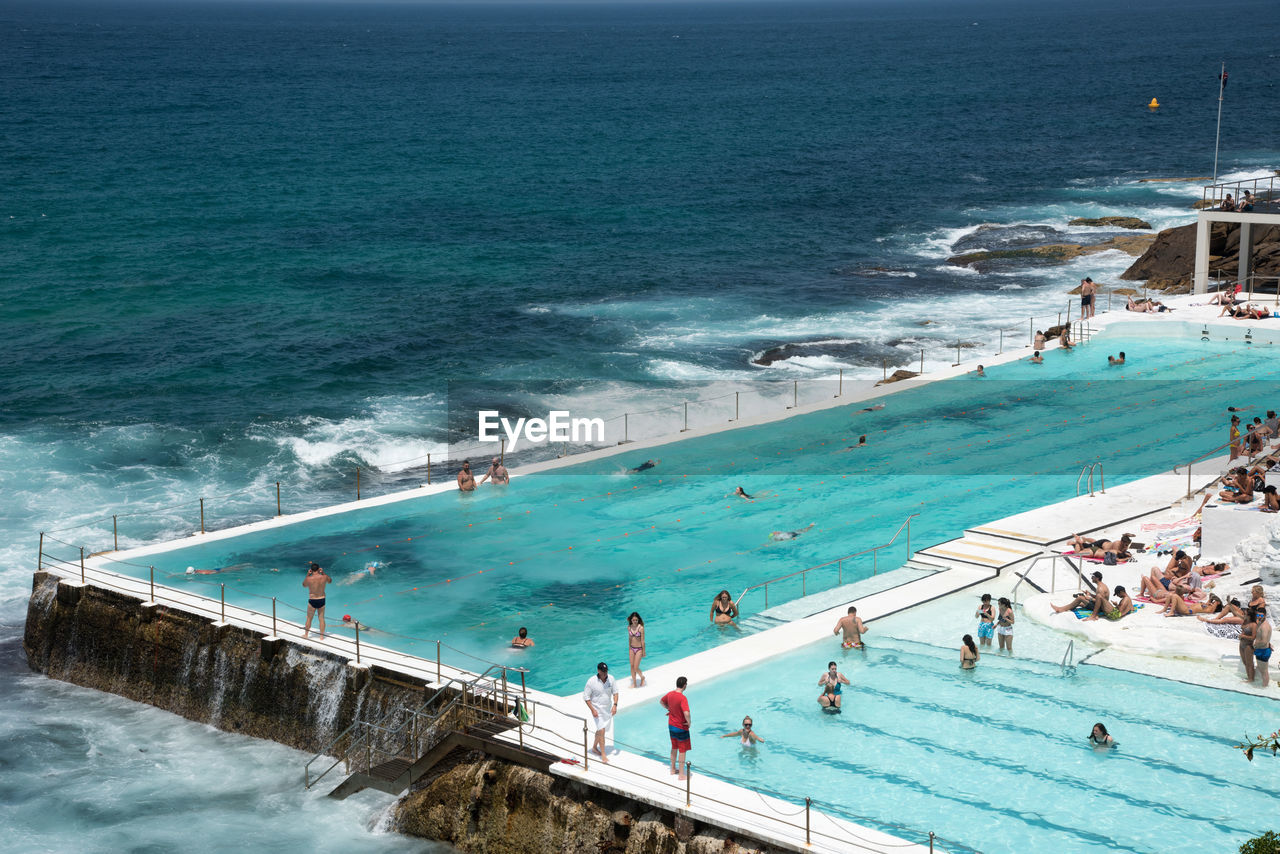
x=315 y=583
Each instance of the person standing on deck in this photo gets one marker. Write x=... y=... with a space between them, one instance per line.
x=315 y=583
x=1262 y=646
x=601 y=696
x=1087 y=291
x=679 y=723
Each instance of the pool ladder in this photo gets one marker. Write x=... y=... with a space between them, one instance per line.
x=1068 y=659
x=1086 y=475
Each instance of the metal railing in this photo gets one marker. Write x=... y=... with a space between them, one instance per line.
x=1068 y=658
x=1245 y=452
x=1053 y=557
x=838 y=563
x=1216 y=193
x=1088 y=471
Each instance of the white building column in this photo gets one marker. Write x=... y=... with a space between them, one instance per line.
x=1200 y=283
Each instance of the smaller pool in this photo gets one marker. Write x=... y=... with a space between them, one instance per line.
x=995 y=758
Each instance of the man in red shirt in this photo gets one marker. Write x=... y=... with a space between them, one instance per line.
x=679 y=723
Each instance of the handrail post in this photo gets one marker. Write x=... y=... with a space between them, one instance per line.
x=223 y=599
x=40 y=556
x=279 y=512
x=795 y=394
x=804 y=577
x=202 y=515
x=908 y=538
x=931 y=842
x=357 y=643
x=735 y=405
x=428 y=469
x=357 y=483
x=153 y=584
x=115 y=534
x=688 y=783
x=685 y=429
x=585 y=760
x=82 y=567
x=1188 y=480
x=921 y=361
x=502 y=451
x=1102 y=478
x=875 y=566
x=273 y=617
x=439 y=678
x=766 y=595
x=840 y=382
x=1031 y=331
x=626 y=427
x=807 y=803
x=840 y=571
x=1001 y=348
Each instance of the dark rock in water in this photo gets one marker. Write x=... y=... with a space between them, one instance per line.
x=1169 y=263
x=1115 y=221
x=991 y=237
x=1057 y=253
x=854 y=351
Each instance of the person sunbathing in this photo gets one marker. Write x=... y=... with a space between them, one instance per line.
x=1176 y=606
x=1231 y=614
x=1097 y=548
x=1157 y=584
x=1139 y=305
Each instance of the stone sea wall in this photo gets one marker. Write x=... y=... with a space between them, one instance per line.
x=225 y=676
x=485 y=806
x=235 y=679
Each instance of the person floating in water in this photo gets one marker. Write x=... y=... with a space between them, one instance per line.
x=871 y=408
x=351 y=622
x=522 y=639
x=1099 y=737
x=742 y=493
x=980 y=371
x=1116 y=360
x=644 y=466
x=783 y=536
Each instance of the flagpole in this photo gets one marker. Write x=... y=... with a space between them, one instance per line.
x=1217 y=136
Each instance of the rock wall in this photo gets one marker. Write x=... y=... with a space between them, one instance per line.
x=224 y=676
x=485 y=806
x=1169 y=263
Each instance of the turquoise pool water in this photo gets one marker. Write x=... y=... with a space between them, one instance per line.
x=570 y=553
x=996 y=758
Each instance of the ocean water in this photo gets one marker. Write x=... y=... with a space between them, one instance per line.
x=245 y=243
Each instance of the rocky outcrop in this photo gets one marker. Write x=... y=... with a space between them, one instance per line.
x=1169 y=263
x=486 y=806
x=898 y=376
x=1054 y=253
x=1113 y=221
x=225 y=676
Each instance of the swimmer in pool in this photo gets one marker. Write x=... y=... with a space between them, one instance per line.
x=1036 y=358
x=783 y=536
x=368 y=572
x=1099 y=737
x=742 y=493
x=871 y=408
x=191 y=570
x=747 y=734
x=831 y=682
x=852 y=627
x=352 y=623
x=862 y=443
x=522 y=639
x=644 y=466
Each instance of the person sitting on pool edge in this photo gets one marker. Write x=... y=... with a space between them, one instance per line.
x=1116 y=360
x=831 y=681
x=1099 y=601
x=522 y=639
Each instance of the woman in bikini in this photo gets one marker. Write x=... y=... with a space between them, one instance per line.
x=723 y=609
x=968 y=653
x=748 y=735
x=1231 y=614
x=635 y=644
x=1176 y=606
x=1004 y=625
x=1247 y=630
x=1099 y=737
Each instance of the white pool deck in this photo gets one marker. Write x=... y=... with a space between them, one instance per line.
x=990 y=554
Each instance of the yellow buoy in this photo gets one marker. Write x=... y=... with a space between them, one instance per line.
x=1154 y=103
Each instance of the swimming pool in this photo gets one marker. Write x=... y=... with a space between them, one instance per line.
x=995 y=758
x=571 y=552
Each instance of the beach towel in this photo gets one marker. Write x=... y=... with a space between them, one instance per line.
x=1083 y=613
x=1223 y=630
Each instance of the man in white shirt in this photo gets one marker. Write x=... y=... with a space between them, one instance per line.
x=601 y=697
